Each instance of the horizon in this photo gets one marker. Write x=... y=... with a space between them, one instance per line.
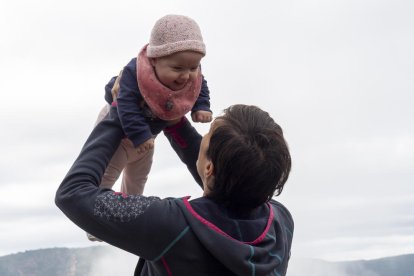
x=108 y=260
x=106 y=245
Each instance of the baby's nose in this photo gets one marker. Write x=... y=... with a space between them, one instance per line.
x=185 y=76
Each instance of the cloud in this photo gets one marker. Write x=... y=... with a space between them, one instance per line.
x=337 y=76
x=357 y=248
x=114 y=262
x=298 y=267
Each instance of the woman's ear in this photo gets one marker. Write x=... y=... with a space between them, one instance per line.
x=209 y=169
x=208 y=178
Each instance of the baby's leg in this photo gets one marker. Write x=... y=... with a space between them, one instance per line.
x=136 y=172
x=116 y=165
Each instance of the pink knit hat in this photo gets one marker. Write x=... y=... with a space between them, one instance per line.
x=175 y=33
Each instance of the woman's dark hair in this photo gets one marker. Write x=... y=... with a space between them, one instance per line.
x=250 y=156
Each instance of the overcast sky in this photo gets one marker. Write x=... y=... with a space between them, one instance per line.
x=337 y=75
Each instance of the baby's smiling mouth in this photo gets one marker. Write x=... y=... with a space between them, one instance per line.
x=179 y=85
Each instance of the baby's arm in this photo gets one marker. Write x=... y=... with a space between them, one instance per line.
x=201 y=110
x=130 y=112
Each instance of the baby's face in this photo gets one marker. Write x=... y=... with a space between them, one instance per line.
x=174 y=71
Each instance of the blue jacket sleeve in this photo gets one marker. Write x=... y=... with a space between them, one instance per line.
x=81 y=182
x=203 y=100
x=130 y=112
x=185 y=140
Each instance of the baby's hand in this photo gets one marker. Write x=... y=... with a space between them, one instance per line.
x=147 y=145
x=202 y=116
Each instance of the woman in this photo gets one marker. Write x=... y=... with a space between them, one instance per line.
x=235 y=228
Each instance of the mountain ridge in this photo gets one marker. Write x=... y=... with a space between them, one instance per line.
x=106 y=260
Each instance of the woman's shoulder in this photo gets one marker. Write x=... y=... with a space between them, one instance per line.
x=281 y=212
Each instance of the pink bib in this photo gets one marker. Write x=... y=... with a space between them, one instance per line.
x=165 y=103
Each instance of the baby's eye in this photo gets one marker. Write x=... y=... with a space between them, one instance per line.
x=194 y=69
x=176 y=68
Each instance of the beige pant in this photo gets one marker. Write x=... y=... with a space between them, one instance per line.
x=135 y=166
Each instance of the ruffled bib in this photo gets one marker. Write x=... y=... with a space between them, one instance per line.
x=165 y=103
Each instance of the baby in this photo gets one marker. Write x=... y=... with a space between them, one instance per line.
x=155 y=90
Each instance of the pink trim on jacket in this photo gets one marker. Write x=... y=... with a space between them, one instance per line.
x=167 y=268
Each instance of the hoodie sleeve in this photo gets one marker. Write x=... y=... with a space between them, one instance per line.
x=130 y=112
x=127 y=222
x=185 y=140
